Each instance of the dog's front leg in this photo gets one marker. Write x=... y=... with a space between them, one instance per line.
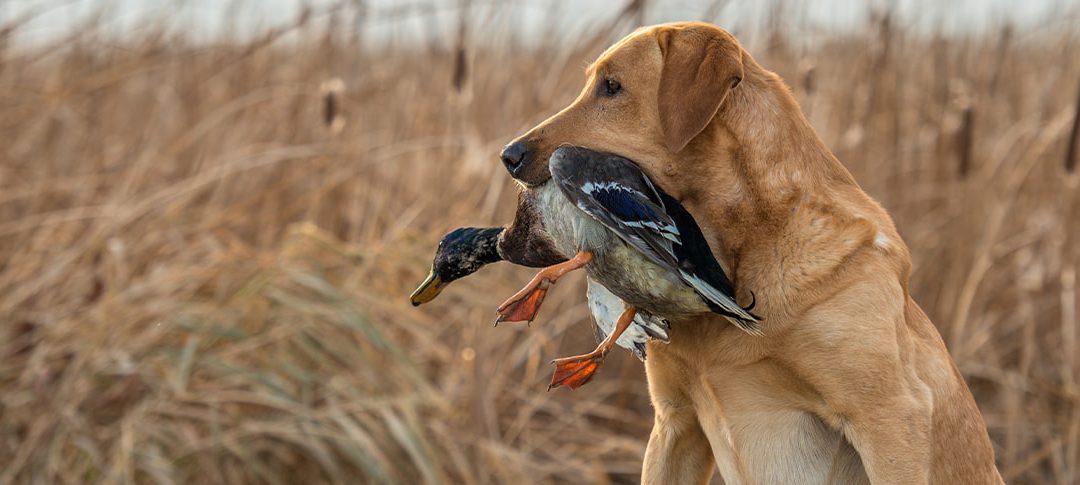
x=894 y=441
x=678 y=451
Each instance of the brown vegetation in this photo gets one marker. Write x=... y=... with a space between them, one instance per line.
x=206 y=250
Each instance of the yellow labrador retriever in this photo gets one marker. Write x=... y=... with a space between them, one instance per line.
x=851 y=382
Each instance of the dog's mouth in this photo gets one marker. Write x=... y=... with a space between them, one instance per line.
x=534 y=175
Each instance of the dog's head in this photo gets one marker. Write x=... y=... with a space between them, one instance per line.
x=646 y=98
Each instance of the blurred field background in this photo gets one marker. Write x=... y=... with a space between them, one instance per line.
x=206 y=245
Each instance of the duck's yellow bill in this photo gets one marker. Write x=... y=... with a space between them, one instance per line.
x=428 y=290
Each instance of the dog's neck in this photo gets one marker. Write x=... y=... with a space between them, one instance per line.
x=778 y=151
x=774 y=161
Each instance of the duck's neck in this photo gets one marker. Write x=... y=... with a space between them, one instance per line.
x=487 y=245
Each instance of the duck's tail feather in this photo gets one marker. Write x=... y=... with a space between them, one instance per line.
x=749 y=326
x=725 y=305
x=653 y=326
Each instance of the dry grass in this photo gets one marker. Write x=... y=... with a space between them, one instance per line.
x=202 y=280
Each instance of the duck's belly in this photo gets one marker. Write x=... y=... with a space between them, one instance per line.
x=622 y=269
x=644 y=284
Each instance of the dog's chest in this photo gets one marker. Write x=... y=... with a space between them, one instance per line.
x=755 y=415
x=780 y=446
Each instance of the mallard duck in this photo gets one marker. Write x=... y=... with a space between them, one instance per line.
x=604 y=214
x=464 y=251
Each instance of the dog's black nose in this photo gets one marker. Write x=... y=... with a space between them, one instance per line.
x=513 y=155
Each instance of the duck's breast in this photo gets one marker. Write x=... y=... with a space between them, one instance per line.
x=571 y=228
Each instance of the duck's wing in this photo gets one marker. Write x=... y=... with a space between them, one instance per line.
x=606 y=308
x=700 y=269
x=623 y=199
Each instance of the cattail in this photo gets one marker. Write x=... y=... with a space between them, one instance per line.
x=810 y=80
x=638 y=7
x=331 y=91
x=460 y=70
x=460 y=66
x=964 y=140
x=1074 y=139
x=1004 y=40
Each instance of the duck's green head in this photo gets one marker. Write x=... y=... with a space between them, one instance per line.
x=461 y=253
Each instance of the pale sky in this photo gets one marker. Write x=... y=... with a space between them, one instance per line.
x=412 y=19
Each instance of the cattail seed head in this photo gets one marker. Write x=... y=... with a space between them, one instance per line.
x=331 y=93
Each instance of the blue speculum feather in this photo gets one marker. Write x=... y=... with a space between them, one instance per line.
x=620 y=202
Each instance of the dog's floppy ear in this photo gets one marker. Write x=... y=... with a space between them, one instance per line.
x=701 y=66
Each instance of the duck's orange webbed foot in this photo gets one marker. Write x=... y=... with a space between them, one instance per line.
x=574 y=372
x=523 y=306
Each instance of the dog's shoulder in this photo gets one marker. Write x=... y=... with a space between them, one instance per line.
x=832 y=236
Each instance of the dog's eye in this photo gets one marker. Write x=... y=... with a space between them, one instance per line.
x=610 y=87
